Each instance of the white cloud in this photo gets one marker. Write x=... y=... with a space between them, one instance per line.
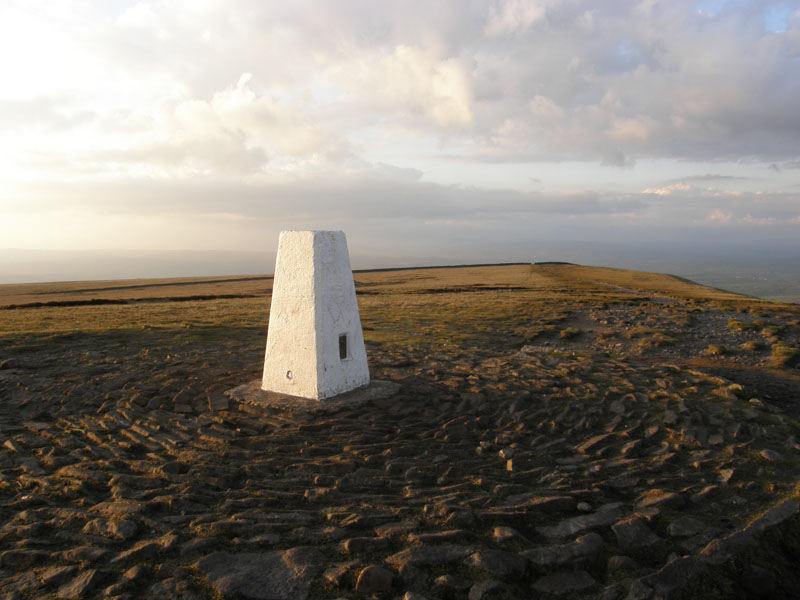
x=758 y=221
x=719 y=216
x=410 y=81
x=516 y=16
x=668 y=190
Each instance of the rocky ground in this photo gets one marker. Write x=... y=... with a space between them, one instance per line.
x=583 y=463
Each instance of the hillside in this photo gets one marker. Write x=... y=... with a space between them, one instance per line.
x=560 y=431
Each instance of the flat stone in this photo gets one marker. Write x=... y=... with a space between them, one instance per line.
x=137 y=573
x=631 y=448
x=78 y=587
x=639 y=591
x=605 y=515
x=633 y=534
x=20 y=560
x=84 y=554
x=584 y=549
x=439 y=537
x=565 y=582
x=121 y=509
x=725 y=475
x=395 y=530
x=592 y=443
x=620 y=562
x=498 y=563
x=144 y=550
x=336 y=574
x=57 y=575
x=684 y=527
x=675 y=574
x=283 y=575
x=374 y=580
x=542 y=503
x=771 y=455
x=502 y=533
x=774 y=516
x=216 y=403
x=485 y=589
x=111 y=528
x=364 y=544
x=430 y=555
x=659 y=498
x=451 y=582
x=721 y=550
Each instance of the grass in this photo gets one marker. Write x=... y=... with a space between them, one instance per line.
x=715 y=350
x=469 y=308
x=784 y=356
x=569 y=333
x=657 y=340
x=753 y=345
x=738 y=325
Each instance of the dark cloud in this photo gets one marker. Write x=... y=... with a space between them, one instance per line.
x=346 y=198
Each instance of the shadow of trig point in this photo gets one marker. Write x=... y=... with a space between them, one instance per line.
x=315 y=345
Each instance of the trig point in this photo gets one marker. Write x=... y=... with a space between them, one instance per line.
x=315 y=346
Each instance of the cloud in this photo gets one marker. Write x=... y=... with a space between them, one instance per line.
x=49 y=113
x=236 y=130
x=751 y=220
x=668 y=190
x=713 y=177
x=516 y=16
x=719 y=216
x=372 y=192
x=506 y=81
x=394 y=114
x=410 y=81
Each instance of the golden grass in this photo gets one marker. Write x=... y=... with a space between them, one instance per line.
x=649 y=283
x=134 y=289
x=440 y=306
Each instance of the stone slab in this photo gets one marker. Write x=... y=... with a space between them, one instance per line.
x=283 y=575
x=251 y=393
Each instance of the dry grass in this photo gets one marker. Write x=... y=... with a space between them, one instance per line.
x=784 y=355
x=715 y=350
x=471 y=307
x=134 y=289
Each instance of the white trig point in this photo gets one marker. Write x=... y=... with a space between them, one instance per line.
x=315 y=346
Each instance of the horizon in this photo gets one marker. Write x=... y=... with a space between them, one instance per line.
x=762 y=275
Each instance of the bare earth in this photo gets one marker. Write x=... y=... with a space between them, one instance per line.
x=560 y=432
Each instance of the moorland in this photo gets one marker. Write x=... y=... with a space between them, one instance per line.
x=559 y=431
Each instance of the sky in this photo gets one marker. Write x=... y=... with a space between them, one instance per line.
x=444 y=130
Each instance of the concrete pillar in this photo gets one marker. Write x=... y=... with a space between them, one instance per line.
x=315 y=346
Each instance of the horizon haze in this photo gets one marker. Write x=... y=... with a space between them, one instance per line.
x=769 y=272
